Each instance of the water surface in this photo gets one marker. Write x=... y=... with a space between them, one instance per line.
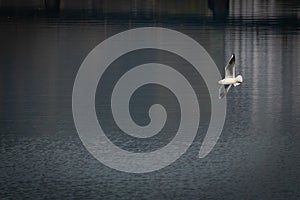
x=256 y=157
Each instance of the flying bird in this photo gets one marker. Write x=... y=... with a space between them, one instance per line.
x=230 y=78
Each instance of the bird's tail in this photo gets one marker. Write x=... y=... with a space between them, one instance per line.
x=239 y=79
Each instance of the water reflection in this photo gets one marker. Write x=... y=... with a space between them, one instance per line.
x=256 y=9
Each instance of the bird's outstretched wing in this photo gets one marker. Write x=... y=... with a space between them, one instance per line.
x=224 y=90
x=230 y=68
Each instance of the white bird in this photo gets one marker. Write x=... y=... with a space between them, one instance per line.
x=230 y=78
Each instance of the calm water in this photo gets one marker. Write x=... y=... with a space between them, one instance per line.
x=256 y=157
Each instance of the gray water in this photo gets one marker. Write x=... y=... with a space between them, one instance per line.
x=256 y=157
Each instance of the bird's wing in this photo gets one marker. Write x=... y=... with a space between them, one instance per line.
x=230 y=68
x=224 y=90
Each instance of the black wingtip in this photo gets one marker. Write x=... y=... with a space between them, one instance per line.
x=232 y=60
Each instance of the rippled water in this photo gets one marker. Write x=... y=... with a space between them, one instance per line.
x=256 y=157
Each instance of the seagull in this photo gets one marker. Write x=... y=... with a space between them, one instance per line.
x=230 y=78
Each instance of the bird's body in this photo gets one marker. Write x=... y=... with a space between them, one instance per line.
x=230 y=78
x=229 y=81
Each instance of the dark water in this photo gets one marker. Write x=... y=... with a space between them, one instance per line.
x=256 y=157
